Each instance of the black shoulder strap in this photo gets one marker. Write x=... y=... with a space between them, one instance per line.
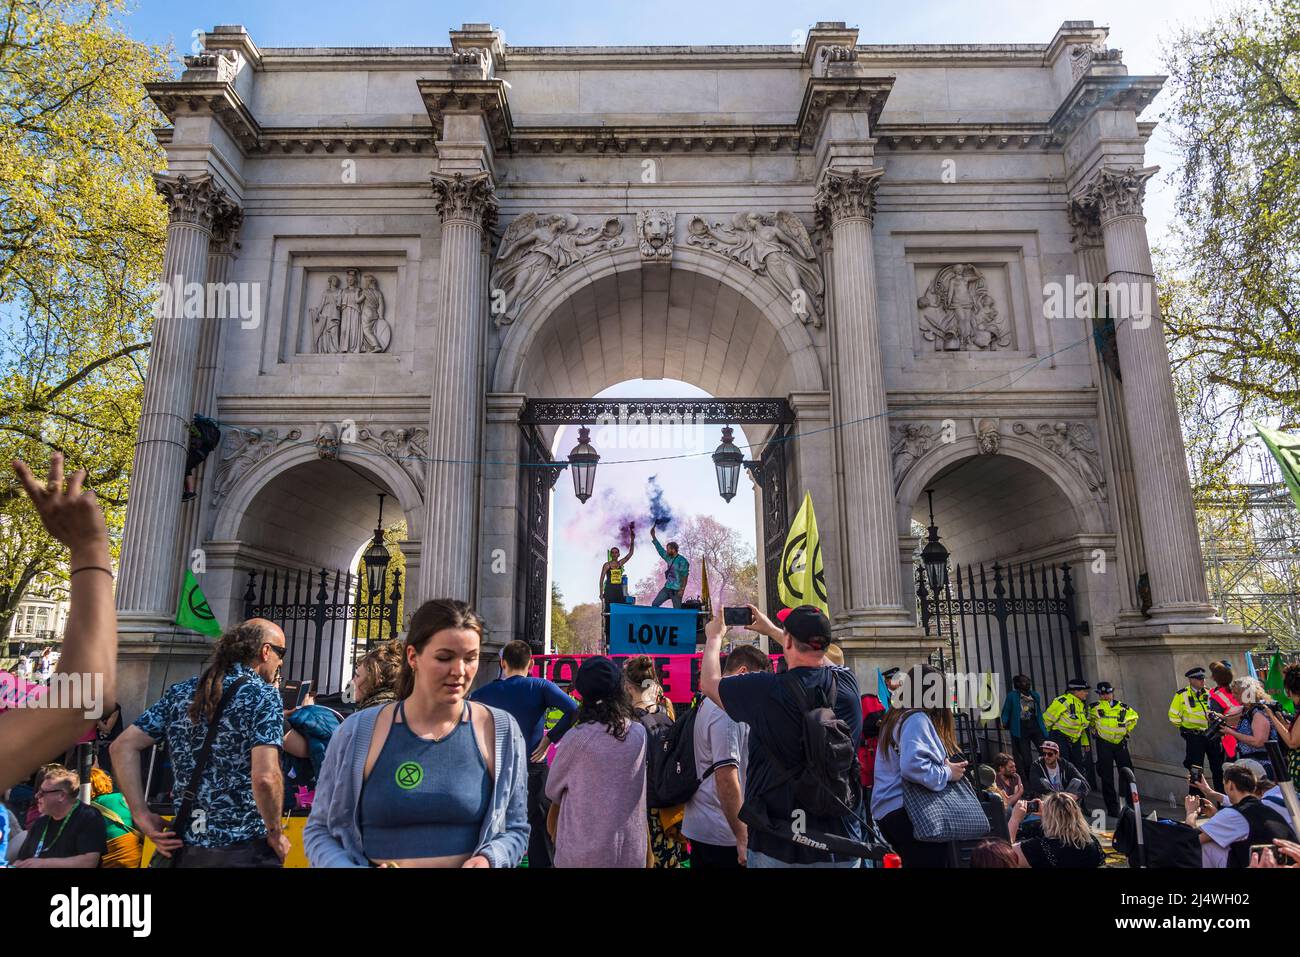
x=181 y=823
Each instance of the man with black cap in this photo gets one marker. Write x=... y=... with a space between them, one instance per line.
x=774 y=707
x=1066 y=719
x=1112 y=722
x=1189 y=712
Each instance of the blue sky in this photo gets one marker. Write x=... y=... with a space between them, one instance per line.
x=1138 y=28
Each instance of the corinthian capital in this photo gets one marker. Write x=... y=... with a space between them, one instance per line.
x=195 y=200
x=466 y=198
x=225 y=224
x=1115 y=193
x=1085 y=223
x=850 y=195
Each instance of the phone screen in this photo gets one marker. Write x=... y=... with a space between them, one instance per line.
x=737 y=616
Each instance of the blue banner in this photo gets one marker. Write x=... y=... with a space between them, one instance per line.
x=642 y=630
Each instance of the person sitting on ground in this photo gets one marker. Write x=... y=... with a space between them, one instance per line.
x=1007 y=780
x=1066 y=841
x=1052 y=773
x=124 y=846
x=434 y=780
x=68 y=833
x=376 y=676
x=597 y=780
x=29 y=737
x=1228 y=833
x=994 y=853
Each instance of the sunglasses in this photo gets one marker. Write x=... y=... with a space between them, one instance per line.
x=278 y=649
x=47 y=793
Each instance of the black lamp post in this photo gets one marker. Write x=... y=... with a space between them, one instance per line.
x=377 y=558
x=934 y=555
x=727 y=462
x=583 y=461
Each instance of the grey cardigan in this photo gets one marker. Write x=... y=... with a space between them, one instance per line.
x=333 y=832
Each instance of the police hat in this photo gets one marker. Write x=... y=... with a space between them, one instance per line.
x=1076 y=684
x=1196 y=672
x=1105 y=687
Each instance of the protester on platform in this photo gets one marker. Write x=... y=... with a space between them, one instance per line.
x=719 y=838
x=311 y=726
x=1222 y=700
x=434 y=780
x=241 y=789
x=916 y=745
x=68 y=834
x=656 y=714
x=994 y=853
x=675 y=574
x=375 y=678
x=124 y=846
x=873 y=713
x=1052 y=773
x=774 y=706
x=597 y=779
x=31 y=736
x=612 y=587
x=1228 y=833
x=1065 y=842
x=1022 y=716
x=527 y=700
x=1250 y=724
x=1007 y=779
x=1288 y=726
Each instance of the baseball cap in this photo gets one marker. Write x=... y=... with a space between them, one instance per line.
x=1251 y=765
x=1050 y=746
x=809 y=624
x=783 y=614
x=598 y=678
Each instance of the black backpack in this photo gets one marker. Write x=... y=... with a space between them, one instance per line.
x=670 y=777
x=827 y=782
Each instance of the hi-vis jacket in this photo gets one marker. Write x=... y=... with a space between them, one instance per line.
x=1068 y=715
x=1190 y=709
x=1112 y=721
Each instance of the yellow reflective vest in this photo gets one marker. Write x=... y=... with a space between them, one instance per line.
x=1190 y=709
x=1067 y=715
x=1112 y=721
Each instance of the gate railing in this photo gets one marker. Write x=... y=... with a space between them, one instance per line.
x=326 y=624
x=1005 y=620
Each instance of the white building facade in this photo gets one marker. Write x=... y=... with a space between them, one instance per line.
x=892 y=244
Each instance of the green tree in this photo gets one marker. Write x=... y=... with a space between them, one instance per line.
x=81 y=240
x=561 y=633
x=586 y=625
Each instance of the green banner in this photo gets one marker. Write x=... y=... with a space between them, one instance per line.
x=193 y=612
x=1286 y=450
x=1273 y=683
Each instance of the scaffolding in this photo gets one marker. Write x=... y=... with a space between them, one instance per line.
x=1250 y=537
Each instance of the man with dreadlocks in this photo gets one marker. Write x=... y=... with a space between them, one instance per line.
x=228 y=813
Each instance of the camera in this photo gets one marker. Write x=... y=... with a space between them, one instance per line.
x=1035 y=806
x=1214 y=724
x=737 y=615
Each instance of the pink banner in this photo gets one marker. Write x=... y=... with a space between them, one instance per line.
x=680 y=674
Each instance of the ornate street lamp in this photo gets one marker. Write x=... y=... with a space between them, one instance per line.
x=727 y=462
x=377 y=558
x=934 y=555
x=583 y=461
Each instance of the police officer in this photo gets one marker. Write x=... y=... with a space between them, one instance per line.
x=1112 y=722
x=1190 y=714
x=1066 y=719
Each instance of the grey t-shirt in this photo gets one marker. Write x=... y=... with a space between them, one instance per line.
x=717 y=738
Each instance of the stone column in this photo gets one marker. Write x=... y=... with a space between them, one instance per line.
x=146 y=591
x=1166 y=511
x=467 y=208
x=846 y=204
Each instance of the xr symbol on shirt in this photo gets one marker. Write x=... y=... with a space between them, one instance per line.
x=409 y=775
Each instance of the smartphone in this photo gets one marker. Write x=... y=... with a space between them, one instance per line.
x=1198 y=773
x=294 y=693
x=1263 y=849
x=1035 y=806
x=737 y=616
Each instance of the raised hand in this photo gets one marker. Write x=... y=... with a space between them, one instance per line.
x=72 y=516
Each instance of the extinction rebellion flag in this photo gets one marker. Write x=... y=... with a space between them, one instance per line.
x=1286 y=450
x=193 y=611
x=802 y=579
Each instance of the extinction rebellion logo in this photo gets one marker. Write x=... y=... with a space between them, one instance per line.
x=409 y=775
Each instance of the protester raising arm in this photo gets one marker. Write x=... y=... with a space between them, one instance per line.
x=31 y=736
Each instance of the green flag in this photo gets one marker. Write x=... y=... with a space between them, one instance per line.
x=193 y=611
x=1286 y=450
x=1273 y=683
x=802 y=579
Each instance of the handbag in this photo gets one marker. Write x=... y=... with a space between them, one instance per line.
x=181 y=822
x=952 y=814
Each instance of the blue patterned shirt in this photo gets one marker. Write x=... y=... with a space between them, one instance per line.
x=255 y=716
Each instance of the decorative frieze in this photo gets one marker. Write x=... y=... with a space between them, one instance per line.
x=241 y=450
x=536 y=248
x=775 y=245
x=959 y=314
x=654 y=227
x=988 y=436
x=1073 y=443
x=908 y=443
x=350 y=316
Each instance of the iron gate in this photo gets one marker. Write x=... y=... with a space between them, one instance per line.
x=776 y=515
x=1007 y=620
x=327 y=624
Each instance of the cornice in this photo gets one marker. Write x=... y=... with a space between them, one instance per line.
x=1111 y=92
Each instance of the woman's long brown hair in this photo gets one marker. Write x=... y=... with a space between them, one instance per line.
x=942 y=717
x=240 y=645
x=429 y=619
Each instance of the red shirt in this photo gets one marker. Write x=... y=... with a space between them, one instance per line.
x=867 y=753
